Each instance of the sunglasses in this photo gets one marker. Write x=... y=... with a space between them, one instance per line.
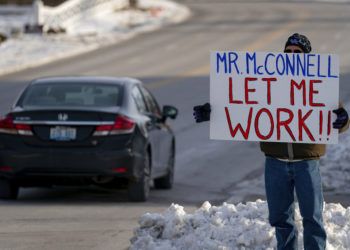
x=293 y=51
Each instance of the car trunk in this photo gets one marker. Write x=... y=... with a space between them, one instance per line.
x=63 y=128
x=80 y=154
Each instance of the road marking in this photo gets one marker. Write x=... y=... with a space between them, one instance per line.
x=256 y=45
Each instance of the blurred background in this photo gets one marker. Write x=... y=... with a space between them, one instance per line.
x=28 y=2
x=166 y=45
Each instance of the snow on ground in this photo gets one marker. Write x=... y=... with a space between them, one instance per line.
x=335 y=166
x=87 y=33
x=226 y=227
x=13 y=18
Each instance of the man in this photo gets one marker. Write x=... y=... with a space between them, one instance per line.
x=290 y=167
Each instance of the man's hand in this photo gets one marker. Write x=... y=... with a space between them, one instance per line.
x=202 y=112
x=342 y=118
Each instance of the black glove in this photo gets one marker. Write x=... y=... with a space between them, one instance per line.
x=202 y=112
x=342 y=118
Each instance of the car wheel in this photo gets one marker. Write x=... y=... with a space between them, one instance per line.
x=8 y=190
x=166 y=182
x=139 y=190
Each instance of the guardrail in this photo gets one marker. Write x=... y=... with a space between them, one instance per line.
x=14 y=10
x=69 y=11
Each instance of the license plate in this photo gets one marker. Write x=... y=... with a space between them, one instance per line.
x=63 y=133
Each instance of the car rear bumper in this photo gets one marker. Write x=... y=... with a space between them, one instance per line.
x=86 y=162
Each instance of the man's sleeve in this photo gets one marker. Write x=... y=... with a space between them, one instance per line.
x=346 y=126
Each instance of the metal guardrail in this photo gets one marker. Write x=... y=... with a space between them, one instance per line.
x=14 y=10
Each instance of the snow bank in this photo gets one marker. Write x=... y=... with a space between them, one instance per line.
x=69 y=11
x=88 y=32
x=242 y=226
x=335 y=165
x=12 y=18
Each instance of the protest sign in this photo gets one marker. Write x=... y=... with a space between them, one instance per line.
x=276 y=97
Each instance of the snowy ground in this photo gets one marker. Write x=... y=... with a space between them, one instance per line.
x=242 y=226
x=335 y=166
x=85 y=34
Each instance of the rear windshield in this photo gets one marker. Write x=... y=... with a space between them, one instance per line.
x=72 y=94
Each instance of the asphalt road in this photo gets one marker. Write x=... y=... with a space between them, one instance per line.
x=174 y=63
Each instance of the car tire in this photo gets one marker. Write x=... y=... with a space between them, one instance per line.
x=166 y=182
x=138 y=190
x=8 y=190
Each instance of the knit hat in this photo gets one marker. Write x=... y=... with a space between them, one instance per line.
x=299 y=40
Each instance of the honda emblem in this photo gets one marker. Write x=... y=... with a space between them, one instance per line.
x=62 y=117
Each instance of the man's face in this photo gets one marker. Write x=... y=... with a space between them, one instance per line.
x=293 y=49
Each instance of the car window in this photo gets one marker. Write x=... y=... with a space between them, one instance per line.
x=72 y=94
x=138 y=98
x=151 y=103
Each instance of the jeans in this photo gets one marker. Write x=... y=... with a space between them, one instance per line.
x=281 y=179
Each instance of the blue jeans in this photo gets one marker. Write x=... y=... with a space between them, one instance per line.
x=281 y=179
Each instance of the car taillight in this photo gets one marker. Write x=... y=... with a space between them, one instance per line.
x=7 y=126
x=120 y=170
x=6 y=169
x=122 y=125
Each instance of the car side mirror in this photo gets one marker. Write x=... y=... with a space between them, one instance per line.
x=169 y=111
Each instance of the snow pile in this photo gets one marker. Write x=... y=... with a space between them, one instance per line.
x=335 y=166
x=87 y=33
x=152 y=13
x=12 y=18
x=242 y=226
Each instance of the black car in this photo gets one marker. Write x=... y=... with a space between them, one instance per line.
x=87 y=130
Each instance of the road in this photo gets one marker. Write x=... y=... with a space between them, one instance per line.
x=174 y=63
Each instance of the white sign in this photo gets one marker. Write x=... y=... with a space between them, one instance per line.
x=277 y=97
